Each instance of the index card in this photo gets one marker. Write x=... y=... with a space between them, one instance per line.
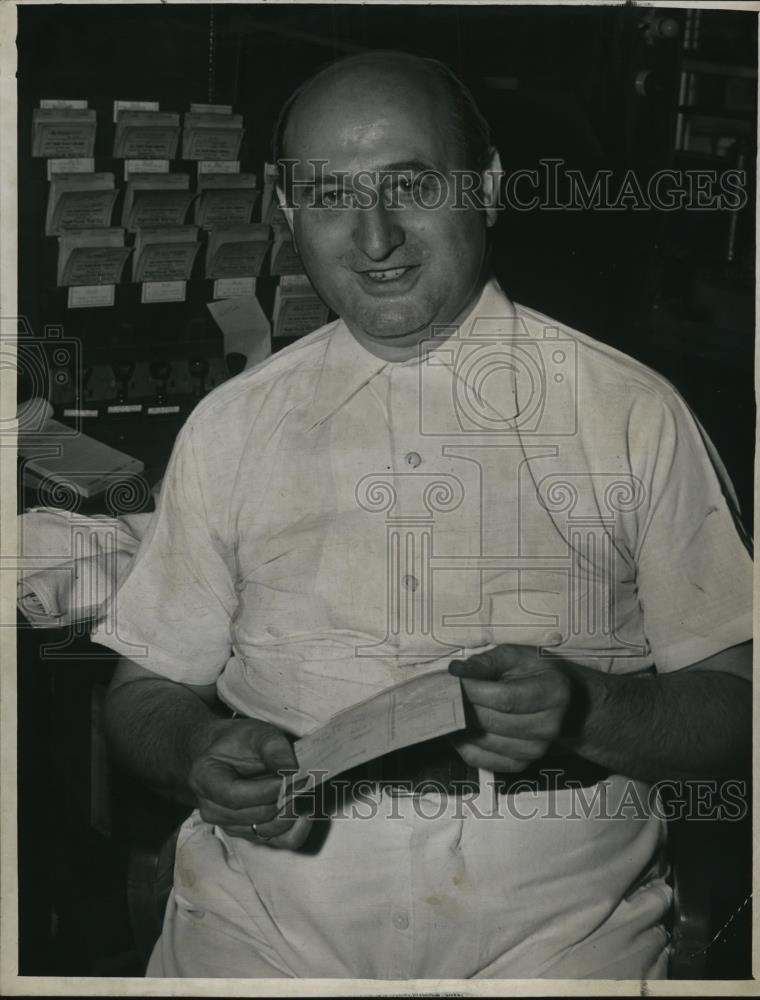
x=421 y=708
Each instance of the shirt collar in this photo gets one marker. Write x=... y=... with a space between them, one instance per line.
x=347 y=366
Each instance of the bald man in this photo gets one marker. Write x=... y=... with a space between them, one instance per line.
x=440 y=480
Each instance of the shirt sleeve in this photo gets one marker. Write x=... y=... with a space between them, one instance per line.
x=172 y=612
x=694 y=569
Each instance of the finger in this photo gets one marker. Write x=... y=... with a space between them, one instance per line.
x=483 y=666
x=295 y=837
x=477 y=756
x=532 y=725
x=218 y=783
x=520 y=695
x=493 y=663
x=218 y=815
x=277 y=751
x=504 y=746
x=275 y=827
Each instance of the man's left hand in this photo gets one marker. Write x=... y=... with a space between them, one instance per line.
x=516 y=701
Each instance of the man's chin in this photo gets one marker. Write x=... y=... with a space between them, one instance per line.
x=395 y=327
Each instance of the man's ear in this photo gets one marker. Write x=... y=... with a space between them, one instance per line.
x=491 y=181
x=287 y=210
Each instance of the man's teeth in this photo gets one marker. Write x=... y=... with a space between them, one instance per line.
x=387 y=275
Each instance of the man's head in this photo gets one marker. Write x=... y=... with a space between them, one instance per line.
x=377 y=150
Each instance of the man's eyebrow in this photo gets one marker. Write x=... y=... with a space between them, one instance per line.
x=408 y=166
x=341 y=177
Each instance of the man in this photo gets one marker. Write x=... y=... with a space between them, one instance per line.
x=441 y=478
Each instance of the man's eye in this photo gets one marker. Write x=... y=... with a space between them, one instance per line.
x=406 y=185
x=334 y=199
x=416 y=187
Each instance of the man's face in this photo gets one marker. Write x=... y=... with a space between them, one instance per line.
x=382 y=260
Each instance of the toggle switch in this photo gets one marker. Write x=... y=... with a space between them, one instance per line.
x=123 y=370
x=199 y=369
x=160 y=372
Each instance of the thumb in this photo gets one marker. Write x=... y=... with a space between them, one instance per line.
x=276 y=751
x=295 y=837
x=486 y=666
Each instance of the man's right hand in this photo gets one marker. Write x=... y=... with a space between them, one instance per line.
x=235 y=782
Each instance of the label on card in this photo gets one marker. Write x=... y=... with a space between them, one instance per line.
x=89 y=296
x=145 y=167
x=147 y=143
x=212 y=144
x=229 y=288
x=211 y=109
x=82 y=210
x=125 y=408
x=60 y=102
x=133 y=106
x=64 y=140
x=155 y=410
x=72 y=165
x=299 y=315
x=165 y=262
x=94 y=265
x=163 y=291
x=218 y=166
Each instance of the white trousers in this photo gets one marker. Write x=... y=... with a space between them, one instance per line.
x=396 y=891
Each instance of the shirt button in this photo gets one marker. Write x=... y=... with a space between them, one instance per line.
x=400 y=920
x=413 y=459
x=411 y=583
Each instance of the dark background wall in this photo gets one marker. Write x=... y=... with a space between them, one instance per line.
x=556 y=82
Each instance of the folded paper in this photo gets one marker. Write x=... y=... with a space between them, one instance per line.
x=63 y=133
x=237 y=251
x=164 y=254
x=244 y=326
x=79 y=201
x=210 y=136
x=91 y=257
x=146 y=135
x=298 y=310
x=225 y=199
x=421 y=708
x=156 y=199
x=285 y=259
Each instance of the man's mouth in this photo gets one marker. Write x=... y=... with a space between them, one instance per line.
x=387 y=274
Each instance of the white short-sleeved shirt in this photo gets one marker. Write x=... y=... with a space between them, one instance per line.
x=330 y=522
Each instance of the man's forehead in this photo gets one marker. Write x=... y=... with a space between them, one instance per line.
x=367 y=115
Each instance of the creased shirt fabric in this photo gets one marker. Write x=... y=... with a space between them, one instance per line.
x=603 y=520
x=330 y=523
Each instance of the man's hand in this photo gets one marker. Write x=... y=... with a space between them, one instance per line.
x=516 y=702
x=235 y=781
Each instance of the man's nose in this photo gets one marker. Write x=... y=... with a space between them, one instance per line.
x=377 y=231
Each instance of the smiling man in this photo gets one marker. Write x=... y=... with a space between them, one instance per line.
x=440 y=480
x=391 y=268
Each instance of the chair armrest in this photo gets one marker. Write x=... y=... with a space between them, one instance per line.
x=150 y=875
x=690 y=851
